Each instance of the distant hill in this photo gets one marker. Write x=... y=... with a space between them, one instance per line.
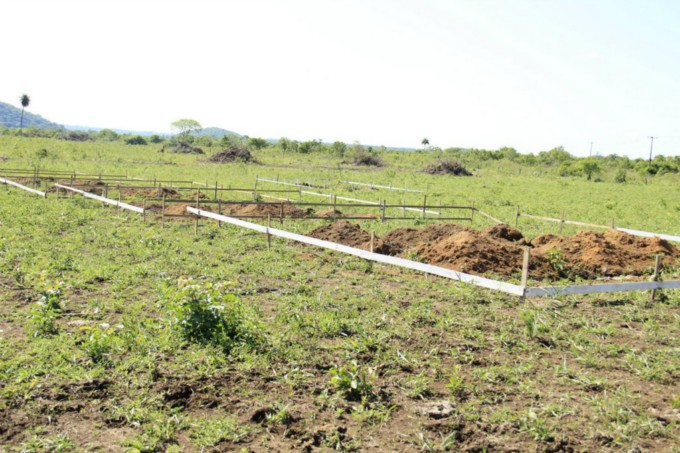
x=10 y=116
x=216 y=132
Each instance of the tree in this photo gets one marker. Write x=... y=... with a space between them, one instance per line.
x=186 y=126
x=425 y=142
x=25 y=100
x=257 y=143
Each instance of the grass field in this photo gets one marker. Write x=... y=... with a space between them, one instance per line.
x=117 y=335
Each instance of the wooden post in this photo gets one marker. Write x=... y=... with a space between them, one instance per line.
x=335 y=202
x=517 y=217
x=198 y=204
x=382 y=212
x=472 y=213
x=525 y=267
x=269 y=236
x=144 y=210
x=655 y=276
x=281 y=213
x=330 y=198
x=613 y=224
x=219 y=211
x=561 y=222
x=372 y=242
x=403 y=208
x=163 y=212
x=215 y=190
x=424 y=204
x=300 y=193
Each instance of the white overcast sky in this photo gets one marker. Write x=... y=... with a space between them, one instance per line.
x=532 y=74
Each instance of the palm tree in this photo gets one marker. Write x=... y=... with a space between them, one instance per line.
x=25 y=100
x=425 y=142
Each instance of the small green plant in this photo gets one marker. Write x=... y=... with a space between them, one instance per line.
x=536 y=427
x=98 y=343
x=556 y=260
x=352 y=382
x=456 y=382
x=45 y=313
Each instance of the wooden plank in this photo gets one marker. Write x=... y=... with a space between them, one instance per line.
x=488 y=216
x=365 y=254
x=117 y=203
x=21 y=186
x=648 y=234
x=382 y=187
x=571 y=222
x=554 y=291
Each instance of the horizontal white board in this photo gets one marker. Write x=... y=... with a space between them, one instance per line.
x=401 y=262
x=21 y=186
x=119 y=204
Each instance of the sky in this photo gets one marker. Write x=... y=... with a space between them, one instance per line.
x=530 y=74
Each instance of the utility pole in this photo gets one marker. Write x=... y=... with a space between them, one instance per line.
x=651 y=147
x=591 y=149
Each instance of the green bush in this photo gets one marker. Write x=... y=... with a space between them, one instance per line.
x=206 y=314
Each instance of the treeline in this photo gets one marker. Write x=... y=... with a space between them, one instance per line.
x=568 y=165
x=556 y=159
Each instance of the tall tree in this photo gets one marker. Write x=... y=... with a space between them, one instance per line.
x=25 y=100
x=186 y=126
x=425 y=141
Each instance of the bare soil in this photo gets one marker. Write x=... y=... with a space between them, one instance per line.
x=499 y=250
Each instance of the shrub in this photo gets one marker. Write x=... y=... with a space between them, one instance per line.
x=184 y=148
x=136 y=140
x=206 y=314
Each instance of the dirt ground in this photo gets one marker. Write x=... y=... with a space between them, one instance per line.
x=499 y=250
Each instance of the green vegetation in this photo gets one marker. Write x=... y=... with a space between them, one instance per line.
x=117 y=334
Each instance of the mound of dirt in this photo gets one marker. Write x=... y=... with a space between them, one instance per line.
x=150 y=193
x=184 y=148
x=171 y=209
x=234 y=153
x=589 y=254
x=478 y=252
x=94 y=187
x=329 y=213
x=343 y=232
x=398 y=241
x=499 y=250
x=447 y=167
x=504 y=231
x=263 y=210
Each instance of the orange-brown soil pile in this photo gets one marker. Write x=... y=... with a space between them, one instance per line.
x=329 y=213
x=589 y=254
x=343 y=232
x=263 y=210
x=499 y=250
x=150 y=193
